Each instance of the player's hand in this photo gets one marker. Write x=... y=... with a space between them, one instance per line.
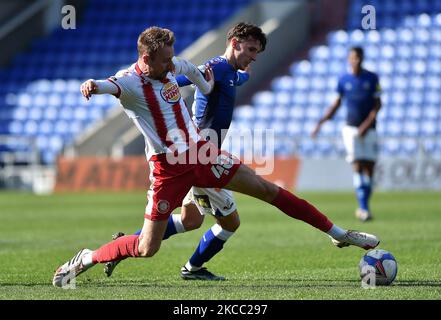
x=88 y=88
x=362 y=132
x=209 y=76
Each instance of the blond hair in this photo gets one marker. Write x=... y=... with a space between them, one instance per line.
x=154 y=38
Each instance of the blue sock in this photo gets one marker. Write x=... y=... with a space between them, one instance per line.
x=362 y=196
x=367 y=186
x=211 y=243
x=361 y=191
x=174 y=226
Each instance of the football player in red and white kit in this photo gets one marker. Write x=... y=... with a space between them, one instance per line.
x=150 y=96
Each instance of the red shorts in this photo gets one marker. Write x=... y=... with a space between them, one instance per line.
x=170 y=182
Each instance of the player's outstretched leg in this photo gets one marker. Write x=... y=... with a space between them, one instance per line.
x=111 y=265
x=247 y=182
x=189 y=219
x=144 y=245
x=119 y=249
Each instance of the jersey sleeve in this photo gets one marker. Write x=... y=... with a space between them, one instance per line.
x=340 y=89
x=182 y=80
x=377 y=87
x=241 y=77
x=121 y=81
x=188 y=69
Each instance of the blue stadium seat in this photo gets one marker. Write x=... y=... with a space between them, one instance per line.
x=294 y=129
x=263 y=113
x=296 y=113
x=266 y=98
x=20 y=113
x=338 y=37
x=285 y=83
x=429 y=128
x=283 y=98
x=280 y=112
x=244 y=113
x=414 y=112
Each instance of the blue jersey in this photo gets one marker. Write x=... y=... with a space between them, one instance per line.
x=359 y=93
x=215 y=111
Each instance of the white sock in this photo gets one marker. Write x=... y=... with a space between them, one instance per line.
x=190 y=267
x=87 y=259
x=336 y=232
x=177 y=220
x=357 y=180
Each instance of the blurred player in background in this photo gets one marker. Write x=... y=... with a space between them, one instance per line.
x=361 y=90
x=150 y=96
x=214 y=112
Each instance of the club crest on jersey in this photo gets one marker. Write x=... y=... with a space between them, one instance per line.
x=162 y=206
x=170 y=93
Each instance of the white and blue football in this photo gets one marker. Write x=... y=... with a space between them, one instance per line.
x=378 y=267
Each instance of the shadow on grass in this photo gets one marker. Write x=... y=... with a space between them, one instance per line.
x=230 y=284
x=418 y=283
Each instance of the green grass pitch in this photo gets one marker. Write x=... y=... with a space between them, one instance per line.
x=270 y=257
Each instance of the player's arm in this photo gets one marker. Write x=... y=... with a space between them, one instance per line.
x=328 y=115
x=183 y=81
x=370 y=119
x=242 y=77
x=193 y=74
x=91 y=86
x=367 y=123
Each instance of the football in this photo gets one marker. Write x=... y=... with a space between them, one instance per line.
x=378 y=267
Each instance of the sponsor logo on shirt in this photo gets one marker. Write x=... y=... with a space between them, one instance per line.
x=170 y=93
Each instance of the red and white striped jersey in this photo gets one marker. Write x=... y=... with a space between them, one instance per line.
x=157 y=108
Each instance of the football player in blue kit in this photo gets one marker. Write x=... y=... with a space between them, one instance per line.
x=360 y=89
x=213 y=115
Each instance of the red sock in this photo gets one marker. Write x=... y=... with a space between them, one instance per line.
x=301 y=209
x=121 y=248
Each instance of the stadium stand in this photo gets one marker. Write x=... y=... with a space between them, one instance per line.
x=39 y=95
x=405 y=50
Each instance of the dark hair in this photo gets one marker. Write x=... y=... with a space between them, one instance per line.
x=244 y=31
x=154 y=38
x=359 y=51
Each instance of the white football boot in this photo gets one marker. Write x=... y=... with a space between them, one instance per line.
x=356 y=238
x=70 y=270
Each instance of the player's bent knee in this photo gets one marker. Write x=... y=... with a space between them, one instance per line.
x=192 y=224
x=230 y=223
